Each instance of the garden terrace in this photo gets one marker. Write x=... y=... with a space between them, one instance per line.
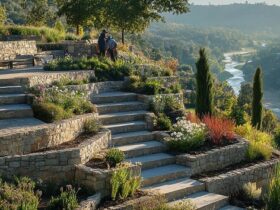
x=54 y=164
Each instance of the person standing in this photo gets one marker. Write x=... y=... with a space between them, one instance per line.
x=102 y=43
x=112 y=48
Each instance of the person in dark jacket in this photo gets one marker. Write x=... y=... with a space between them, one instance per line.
x=102 y=43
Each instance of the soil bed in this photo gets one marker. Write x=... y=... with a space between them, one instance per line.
x=97 y=162
x=107 y=202
x=243 y=164
x=67 y=145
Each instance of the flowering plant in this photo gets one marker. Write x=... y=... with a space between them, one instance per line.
x=187 y=136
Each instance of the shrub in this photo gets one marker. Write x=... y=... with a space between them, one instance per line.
x=114 y=157
x=49 y=112
x=277 y=137
x=273 y=195
x=220 y=131
x=159 y=202
x=165 y=104
x=71 y=37
x=67 y=200
x=163 y=123
x=187 y=136
x=151 y=87
x=48 y=34
x=251 y=191
x=91 y=126
x=57 y=103
x=18 y=196
x=258 y=151
x=123 y=184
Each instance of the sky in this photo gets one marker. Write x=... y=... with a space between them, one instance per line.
x=277 y=2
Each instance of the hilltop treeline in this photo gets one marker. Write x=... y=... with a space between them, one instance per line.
x=251 y=18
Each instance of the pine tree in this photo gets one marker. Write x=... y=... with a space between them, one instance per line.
x=257 y=106
x=204 y=80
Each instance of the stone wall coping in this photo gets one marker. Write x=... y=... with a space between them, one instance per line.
x=90 y=203
x=191 y=157
x=242 y=170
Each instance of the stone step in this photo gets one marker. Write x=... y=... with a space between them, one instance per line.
x=12 y=99
x=175 y=189
x=145 y=148
x=11 y=89
x=10 y=82
x=205 y=200
x=15 y=111
x=113 y=97
x=229 y=207
x=120 y=107
x=19 y=123
x=132 y=137
x=126 y=127
x=122 y=117
x=163 y=174
x=154 y=160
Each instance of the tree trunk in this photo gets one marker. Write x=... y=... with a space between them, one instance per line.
x=78 y=30
x=123 y=36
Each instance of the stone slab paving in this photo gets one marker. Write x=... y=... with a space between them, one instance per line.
x=11 y=125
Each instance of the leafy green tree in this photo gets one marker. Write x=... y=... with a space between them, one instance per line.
x=270 y=121
x=135 y=16
x=38 y=14
x=204 y=92
x=245 y=96
x=257 y=106
x=79 y=13
x=3 y=15
x=238 y=115
x=59 y=26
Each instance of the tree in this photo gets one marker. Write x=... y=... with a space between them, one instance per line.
x=204 y=92
x=135 y=16
x=257 y=106
x=3 y=15
x=270 y=121
x=245 y=96
x=79 y=12
x=38 y=14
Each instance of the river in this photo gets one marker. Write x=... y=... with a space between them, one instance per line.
x=238 y=78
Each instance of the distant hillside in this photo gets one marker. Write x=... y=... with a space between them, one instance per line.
x=249 y=18
x=17 y=9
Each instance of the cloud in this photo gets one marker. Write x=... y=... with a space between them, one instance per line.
x=277 y=2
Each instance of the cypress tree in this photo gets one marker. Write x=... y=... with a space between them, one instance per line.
x=257 y=106
x=204 y=81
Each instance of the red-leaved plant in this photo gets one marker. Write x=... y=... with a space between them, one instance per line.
x=193 y=118
x=220 y=131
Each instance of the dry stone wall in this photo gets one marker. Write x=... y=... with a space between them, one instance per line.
x=55 y=165
x=98 y=180
x=215 y=159
x=10 y=49
x=233 y=181
x=44 y=136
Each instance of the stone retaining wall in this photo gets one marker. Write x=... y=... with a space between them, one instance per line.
x=50 y=77
x=233 y=181
x=10 y=49
x=58 y=165
x=98 y=180
x=44 y=136
x=215 y=159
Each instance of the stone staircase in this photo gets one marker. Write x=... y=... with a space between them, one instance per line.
x=125 y=116
x=14 y=112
